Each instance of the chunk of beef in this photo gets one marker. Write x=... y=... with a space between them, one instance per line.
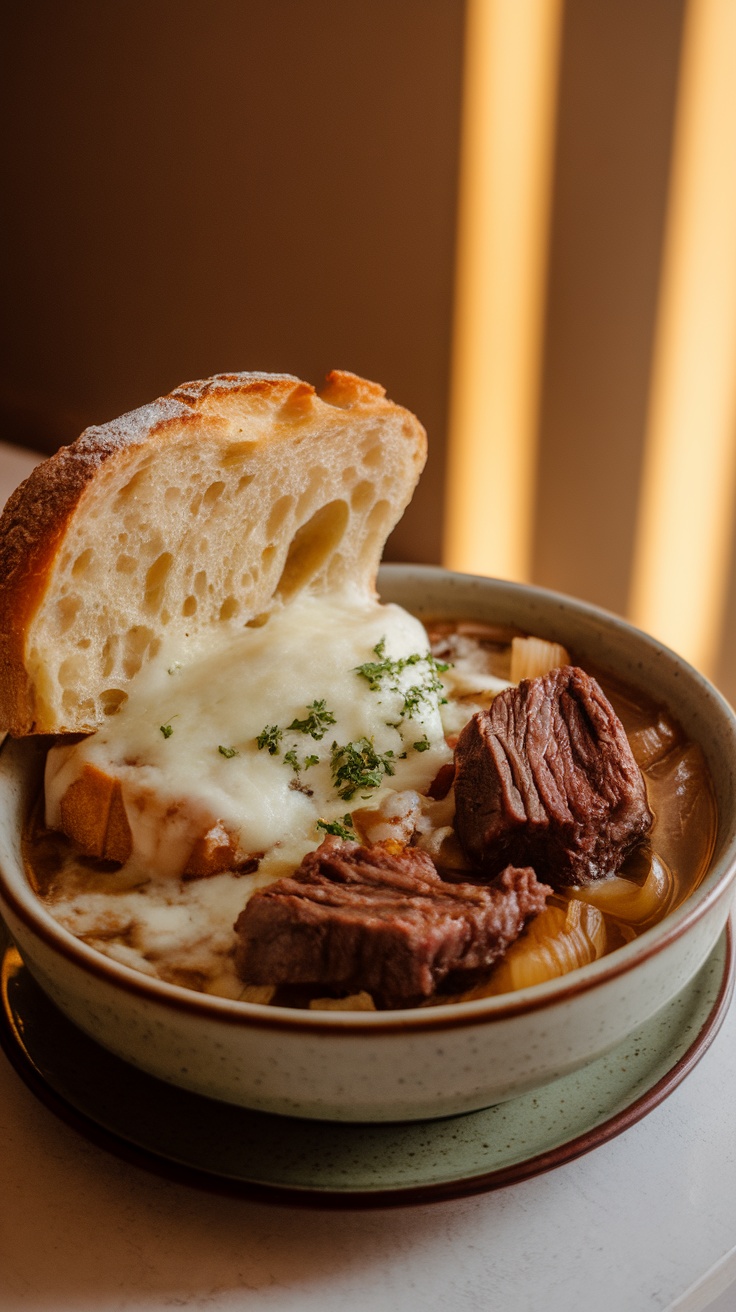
x=354 y=918
x=547 y=778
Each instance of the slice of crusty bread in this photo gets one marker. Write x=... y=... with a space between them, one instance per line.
x=92 y=811
x=208 y=507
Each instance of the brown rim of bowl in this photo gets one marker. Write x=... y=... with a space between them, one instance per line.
x=442 y=1016
x=413 y=1195
x=437 y=1018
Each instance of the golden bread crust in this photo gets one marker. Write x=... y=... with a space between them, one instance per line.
x=70 y=640
x=31 y=526
x=93 y=814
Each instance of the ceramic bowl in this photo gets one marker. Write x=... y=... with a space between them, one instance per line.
x=408 y=1064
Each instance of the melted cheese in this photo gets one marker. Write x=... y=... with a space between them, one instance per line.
x=177 y=785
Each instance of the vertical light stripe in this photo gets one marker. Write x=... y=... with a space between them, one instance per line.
x=510 y=83
x=687 y=499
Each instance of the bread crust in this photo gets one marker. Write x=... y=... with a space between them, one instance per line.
x=39 y=517
x=93 y=814
x=31 y=527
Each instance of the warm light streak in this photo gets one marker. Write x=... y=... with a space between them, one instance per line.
x=506 y=170
x=686 y=509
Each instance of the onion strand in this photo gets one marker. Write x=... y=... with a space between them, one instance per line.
x=631 y=902
x=558 y=940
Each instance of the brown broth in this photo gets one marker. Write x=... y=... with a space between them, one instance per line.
x=681 y=839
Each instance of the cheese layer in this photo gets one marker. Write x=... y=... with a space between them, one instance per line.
x=185 y=744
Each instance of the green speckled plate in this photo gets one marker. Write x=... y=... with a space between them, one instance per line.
x=227 y=1148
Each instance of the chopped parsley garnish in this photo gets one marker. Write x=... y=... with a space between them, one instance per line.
x=316 y=723
x=385 y=673
x=228 y=752
x=344 y=830
x=375 y=671
x=292 y=759
x=358 y=765
x=166 y=730
x=270 y=737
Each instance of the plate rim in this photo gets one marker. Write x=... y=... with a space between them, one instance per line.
x=158 y=1163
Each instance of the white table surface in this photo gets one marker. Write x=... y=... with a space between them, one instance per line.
x=647 y=1221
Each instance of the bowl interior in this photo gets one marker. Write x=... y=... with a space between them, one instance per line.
x=591 y=635
x=606 y=641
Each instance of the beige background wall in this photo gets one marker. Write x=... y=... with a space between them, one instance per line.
x=204 y=185
x=616 y=104
x=193 y=187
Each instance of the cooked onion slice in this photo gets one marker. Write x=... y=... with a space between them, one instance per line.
x=356 y=1002
x=651 y=743
x=262 y=993
x=558 y=940
x=630 y=902
x=532 y=657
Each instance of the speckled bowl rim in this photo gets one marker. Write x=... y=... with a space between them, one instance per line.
x=23 y=903
x=14 y=1041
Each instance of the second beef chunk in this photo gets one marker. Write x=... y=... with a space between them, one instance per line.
x=547 y=778
x=354 y=918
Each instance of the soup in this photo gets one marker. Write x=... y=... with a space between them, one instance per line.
x=182 y=929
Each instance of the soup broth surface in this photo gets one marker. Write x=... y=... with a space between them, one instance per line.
x=181 y=929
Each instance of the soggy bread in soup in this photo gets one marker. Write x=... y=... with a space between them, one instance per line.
x=210 y=507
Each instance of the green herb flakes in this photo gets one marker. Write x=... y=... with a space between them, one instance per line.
x=317 y=721
x=270 y=737
x=340 y=830
x=358 y=765
x=385 y=673
x=228 y=752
